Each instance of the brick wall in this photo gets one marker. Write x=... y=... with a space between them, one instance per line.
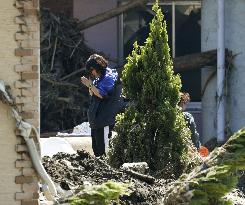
x=19 y=68
x=64 y=6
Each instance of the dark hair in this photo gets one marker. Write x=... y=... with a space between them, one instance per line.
x=97 y=62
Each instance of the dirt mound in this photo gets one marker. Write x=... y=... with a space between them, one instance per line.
x=72 y=170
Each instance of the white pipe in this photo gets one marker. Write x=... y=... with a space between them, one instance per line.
x=39 y=167
x=25 y=131
x=221 y=73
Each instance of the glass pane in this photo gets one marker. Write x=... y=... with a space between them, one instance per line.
x=136 y=27
x=188 y=29
x=188 y=40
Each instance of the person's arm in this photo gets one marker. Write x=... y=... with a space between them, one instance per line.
x=91 y=87
x=95 y=91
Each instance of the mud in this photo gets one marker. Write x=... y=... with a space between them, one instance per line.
x=72 y=171
x=69 y=171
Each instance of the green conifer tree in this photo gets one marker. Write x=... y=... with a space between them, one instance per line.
x=152 y=129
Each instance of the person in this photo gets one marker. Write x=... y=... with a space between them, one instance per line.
x=105 y=101
x=184 y=100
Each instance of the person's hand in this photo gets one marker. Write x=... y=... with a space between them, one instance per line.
x=86 y=81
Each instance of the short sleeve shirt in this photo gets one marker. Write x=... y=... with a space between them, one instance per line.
x=106 y=83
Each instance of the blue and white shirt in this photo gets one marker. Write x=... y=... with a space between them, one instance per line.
x=106 y=82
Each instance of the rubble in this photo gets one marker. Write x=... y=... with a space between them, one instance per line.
x=63 y=54
x=71 y=172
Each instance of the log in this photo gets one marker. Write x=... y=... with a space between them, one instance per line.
x=199 y=60
x=109 y=14
x=146 y=178
x=194 y=61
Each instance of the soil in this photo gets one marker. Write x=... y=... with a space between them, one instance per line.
x=72 y=170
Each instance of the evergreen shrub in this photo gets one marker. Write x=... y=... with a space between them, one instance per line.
x=152 y=128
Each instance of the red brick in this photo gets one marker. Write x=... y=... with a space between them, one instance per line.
x=30 y=202
x=21 y=148
x=23 y=68
x=22 y=100
x=23 y=179
x=27 y=115
x=20 y=20
x=21 y=36
x=30 y=11
x=29 y=172
x=31 y=187
x=23 y=52
x=29 y=60
x=29 y=75
x=36 y=195
x=35 y=3
x=19 y=4
x=22 y=84
x=35 y=67
x=23 y=163
x=28 y=92
x=17 y=132
x=23 y=196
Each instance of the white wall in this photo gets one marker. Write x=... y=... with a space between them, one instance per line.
x=234 y=41
x=102 y=37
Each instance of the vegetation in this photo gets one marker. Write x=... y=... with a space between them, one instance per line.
x=209 y=183
x=152 y=129
x=100 y=194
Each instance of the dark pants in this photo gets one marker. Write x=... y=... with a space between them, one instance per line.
x=98 y=140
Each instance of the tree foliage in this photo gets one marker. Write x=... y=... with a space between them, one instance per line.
x=152 y=129
x=100 y=194
x=209 y=183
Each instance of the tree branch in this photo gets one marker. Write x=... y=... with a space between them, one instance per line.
x=109 y=14
x=196 y=60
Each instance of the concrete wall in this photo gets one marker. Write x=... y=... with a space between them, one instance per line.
x=234 y=41
x=102 y=37
x=19 y=66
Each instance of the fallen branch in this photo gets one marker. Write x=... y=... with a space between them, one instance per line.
x=194 y=61
x=52 y=61
x=58 y=83
x=72 y=74
x=109 y=14
x=198 y=60
x=146 y=178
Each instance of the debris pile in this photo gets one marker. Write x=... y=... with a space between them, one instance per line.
x=63 y=53
x=73 y=171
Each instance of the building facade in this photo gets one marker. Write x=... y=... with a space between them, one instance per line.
x=192 y=27
x=116 y=36
x=234 y=83
x=19 y=70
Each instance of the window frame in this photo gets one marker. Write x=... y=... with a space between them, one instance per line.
x=171 y=3
x=192 y=106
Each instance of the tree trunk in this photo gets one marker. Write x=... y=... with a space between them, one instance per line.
x=110 y=14
x=194 y=61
